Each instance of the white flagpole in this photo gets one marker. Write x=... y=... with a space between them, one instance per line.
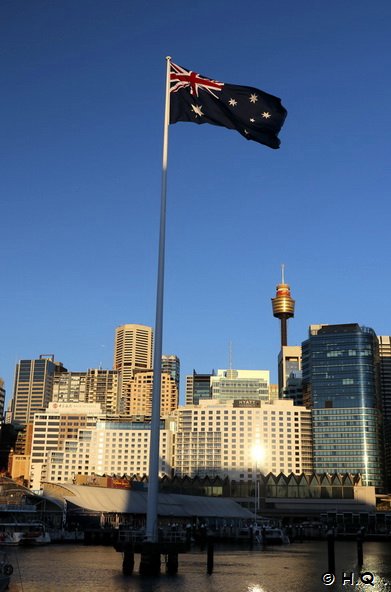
x=153 y=477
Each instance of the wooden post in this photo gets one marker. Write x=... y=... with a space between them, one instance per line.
x=128 y=563
x=172 y=564
x=210 y=556
x=360 y=553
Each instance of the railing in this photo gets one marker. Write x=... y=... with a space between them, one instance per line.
x=17 y=506
x=138 y=536
x=131 y=536
x=171 y=536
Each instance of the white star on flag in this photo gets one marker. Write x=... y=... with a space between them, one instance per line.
x=253 y=98
x=197 y=110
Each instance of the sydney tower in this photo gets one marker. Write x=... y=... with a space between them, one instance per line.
x=283 y=307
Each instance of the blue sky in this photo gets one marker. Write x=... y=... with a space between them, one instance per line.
x=82 y=101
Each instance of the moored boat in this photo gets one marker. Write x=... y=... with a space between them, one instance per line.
x=273 y=536
x=23 y=533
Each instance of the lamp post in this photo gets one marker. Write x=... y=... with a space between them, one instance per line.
x=258 y=458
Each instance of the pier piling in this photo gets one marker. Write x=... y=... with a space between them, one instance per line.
x=128 y=563
x=172 y=564
x=149 y=562
x=331 y=551
x=210 y=557
x=360 y=553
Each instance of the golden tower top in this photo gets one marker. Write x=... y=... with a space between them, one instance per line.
x=283 y=304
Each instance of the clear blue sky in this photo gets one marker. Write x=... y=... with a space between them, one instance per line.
x=82 y=99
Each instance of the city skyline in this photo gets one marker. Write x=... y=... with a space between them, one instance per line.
x=183 y=376
x=345 y=385
x=81 y=152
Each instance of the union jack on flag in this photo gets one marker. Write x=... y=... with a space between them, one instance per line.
x=181 y=78
x=255 y=114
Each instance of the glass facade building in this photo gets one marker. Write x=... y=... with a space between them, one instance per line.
x=340 y=365
x=385 y=388
x=33 y=388
x=197 y=388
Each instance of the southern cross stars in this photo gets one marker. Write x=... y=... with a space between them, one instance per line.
x=253 y=98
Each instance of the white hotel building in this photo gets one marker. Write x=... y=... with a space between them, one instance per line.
x=237 y=439
x=242 y=437
x=58 y=428
x=71 y=439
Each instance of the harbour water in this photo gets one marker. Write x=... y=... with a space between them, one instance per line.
x=289 y=568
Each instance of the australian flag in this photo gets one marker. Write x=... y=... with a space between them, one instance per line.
x=255 y=114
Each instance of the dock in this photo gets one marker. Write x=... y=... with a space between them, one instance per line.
x=169 y=544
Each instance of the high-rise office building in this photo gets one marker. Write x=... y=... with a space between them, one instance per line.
x=172 y=366
x=133 y=349
x=137 y=398
x=385 y=373
x=102 y=387
x=289 y=366
x=33 y=387
x=2 y=398
x=294 y=388
x=340 y=365
x=69 y=387
x=228 y=385
x=385 y=389
x=197 y=388
x=93 y=386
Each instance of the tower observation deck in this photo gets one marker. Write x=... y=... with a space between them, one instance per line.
x=283 y=306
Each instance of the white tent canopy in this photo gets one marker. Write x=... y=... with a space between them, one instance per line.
x=121 y=501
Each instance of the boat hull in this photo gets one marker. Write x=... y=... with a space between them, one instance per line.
x=23 y=534
x=273 y=536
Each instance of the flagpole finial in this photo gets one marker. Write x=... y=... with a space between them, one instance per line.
x=168 y=58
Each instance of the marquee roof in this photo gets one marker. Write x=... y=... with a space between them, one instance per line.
x=121 y=501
